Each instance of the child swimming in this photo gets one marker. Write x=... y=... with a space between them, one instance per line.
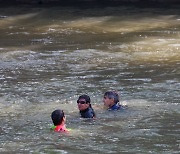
x=59 y=120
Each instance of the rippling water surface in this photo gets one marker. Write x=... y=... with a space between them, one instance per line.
x=50 y=56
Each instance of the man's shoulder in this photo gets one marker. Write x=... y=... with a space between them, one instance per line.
x=89 y=113
x=116 y=107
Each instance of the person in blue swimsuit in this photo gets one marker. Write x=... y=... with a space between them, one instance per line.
x=84 y=106
x=111 y=100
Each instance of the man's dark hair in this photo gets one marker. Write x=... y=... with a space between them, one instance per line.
x=86 y=97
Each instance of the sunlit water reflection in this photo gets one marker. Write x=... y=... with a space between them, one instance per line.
x=48 y=57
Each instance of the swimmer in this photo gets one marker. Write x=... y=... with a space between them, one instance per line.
x=59 y=120
x=85 y=108
x=111 y=100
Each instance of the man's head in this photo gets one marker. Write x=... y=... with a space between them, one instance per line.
x=110 y=98
x=83 y=102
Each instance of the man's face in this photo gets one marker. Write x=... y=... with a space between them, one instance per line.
x=82 y=104
x=108 y=102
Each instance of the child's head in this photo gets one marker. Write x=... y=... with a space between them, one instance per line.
x=110 y=98
x=58 y=117
x=83 y=102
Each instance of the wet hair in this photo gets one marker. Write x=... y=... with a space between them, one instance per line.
x=112 y=95
x=86 y=97
x=57 y=117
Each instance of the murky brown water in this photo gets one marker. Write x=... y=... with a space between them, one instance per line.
x=50 y=56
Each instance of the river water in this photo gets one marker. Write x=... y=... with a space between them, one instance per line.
x=50 y=56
